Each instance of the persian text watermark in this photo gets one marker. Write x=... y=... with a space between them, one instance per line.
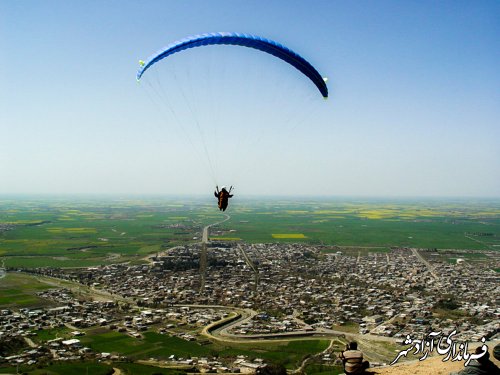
x=444 y=345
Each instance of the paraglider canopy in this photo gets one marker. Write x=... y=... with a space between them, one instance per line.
x=244 y=40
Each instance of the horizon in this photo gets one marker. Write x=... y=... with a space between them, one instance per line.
x=209 y=197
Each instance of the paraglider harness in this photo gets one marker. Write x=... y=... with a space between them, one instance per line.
x=223 y=197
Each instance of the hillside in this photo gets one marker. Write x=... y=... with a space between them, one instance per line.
x=430 y=366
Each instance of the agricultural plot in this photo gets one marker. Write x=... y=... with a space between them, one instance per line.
x=288 y=354
x=282 y=236
x=51 y=334
x=62 y=369
x=151 y=345
x=83 y=233
x=19 y=290
x=163 y=346
x=139 y=369
x=318 y=369
x=75 y=234
x=442 y=225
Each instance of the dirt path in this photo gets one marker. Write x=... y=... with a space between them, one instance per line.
x=30 y=342
x=303 y=365
x=162 y=253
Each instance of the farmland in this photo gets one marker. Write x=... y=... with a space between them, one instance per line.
x=55 y=233
x=160 y=346
x=88 y=232
x=20 y=291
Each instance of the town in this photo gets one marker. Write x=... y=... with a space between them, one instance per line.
x=260 y=291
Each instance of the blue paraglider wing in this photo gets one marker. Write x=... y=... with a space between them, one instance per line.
x=244 y=40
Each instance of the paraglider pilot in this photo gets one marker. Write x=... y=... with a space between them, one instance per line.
x=223 y=197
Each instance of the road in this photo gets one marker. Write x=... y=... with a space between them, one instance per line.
x=425 y=262
x=300 y=370
x=203 y=253
x=204 y=238
x=149 y=257
x=251 y=265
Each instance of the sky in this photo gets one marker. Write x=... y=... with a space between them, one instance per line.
x=413 y=109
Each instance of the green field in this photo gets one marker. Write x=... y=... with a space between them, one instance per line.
x=91 y=368
x=59 y=233
x=288 y=354
x=78 y=232
x=154 y=345
x=19 y=290
x=50 y=334
x=138 y=369
x=316 y=369
x=372 y=223
x=63 y=369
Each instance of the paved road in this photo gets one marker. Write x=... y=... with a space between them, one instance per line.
x=425 y=262
x=251 y=265
x=204 y=238
x=203 y=253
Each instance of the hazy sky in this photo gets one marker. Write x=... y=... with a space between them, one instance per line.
x=414 y=106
